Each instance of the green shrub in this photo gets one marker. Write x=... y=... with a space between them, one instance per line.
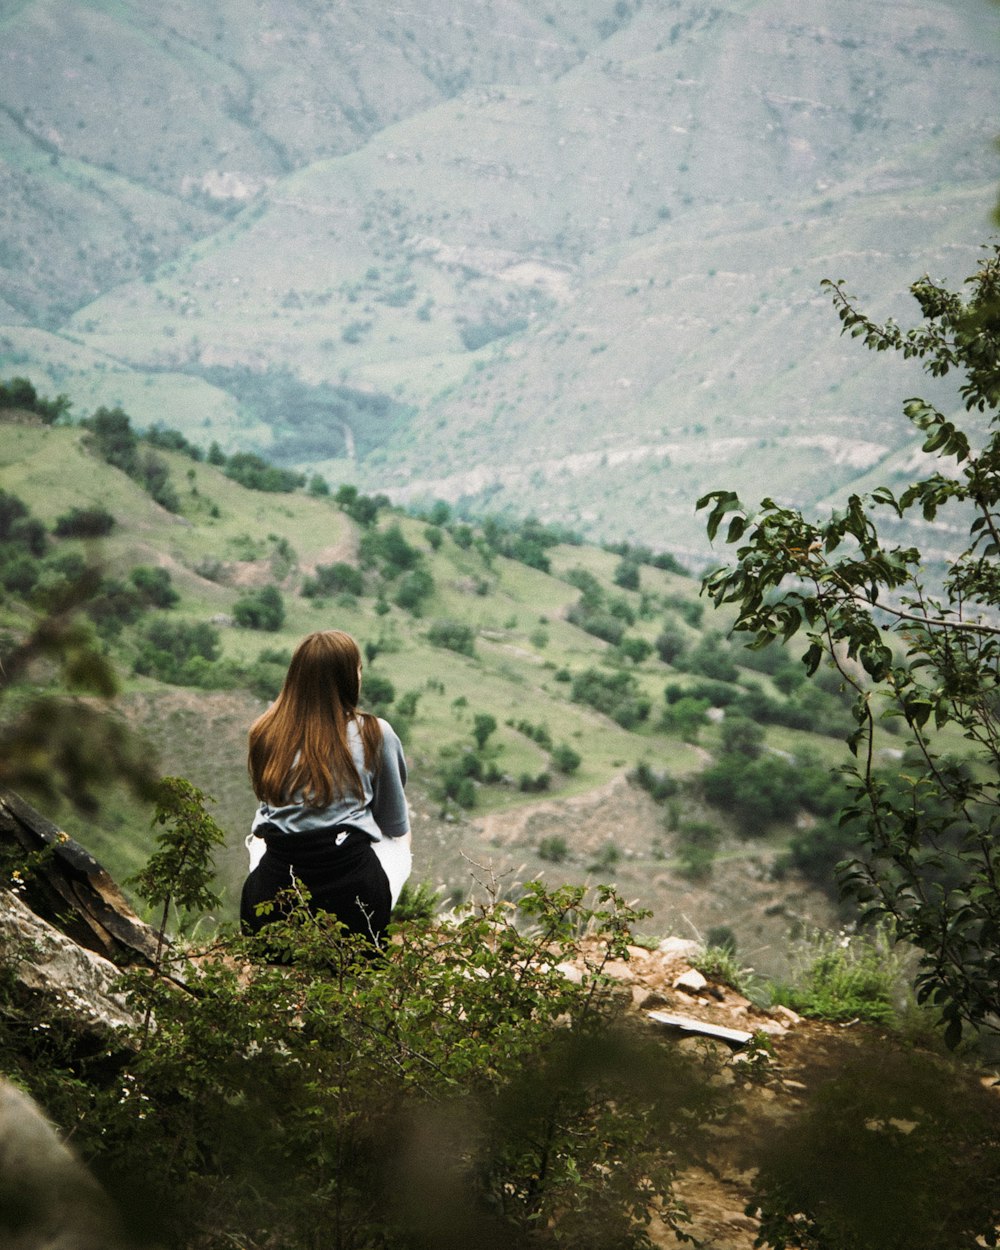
x=332 y=579
x=553 y=849
x=254 y=473
x=169 y=647
x=844 y=978
x=414 y=588
x=452 y=635
x=417 y=904
x=154 y=585
x=20 y=393
x=697 y=843
x=615 y=694
x=19 y=528
x=565 y=759
x=483 y=725
x=262 y=609
x=95 y=522
x=660 y=786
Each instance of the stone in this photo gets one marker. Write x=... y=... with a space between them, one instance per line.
x=679 y=948
x=691 y=982
x=48 y=1199
x=65 y=981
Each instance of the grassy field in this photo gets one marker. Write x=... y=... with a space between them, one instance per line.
x=227 y=541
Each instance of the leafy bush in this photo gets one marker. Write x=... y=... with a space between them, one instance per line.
x=262 y=609
x=671 y=643
x=565 y=759
x=254 y=473
x=389 y=550
x=615 y=694
x=537 y=733
x=19 y=528
x=377 y=692
x=417 y=904
x=685 y=717
x=483 y=725
x=333 y=579
x=634 y=650
x=111 y=435
x=660 y=786
x=414 y=588
x=169 y=650
x=93 y=522
x=553 y=849
x=433 y=1095
x=697 y=843
x=116 y=604
x=172 y=440
x=20 y=393
x=843 y=978
x=154 y=585
x=712 y=658
x=453 y=635
x=626 y=574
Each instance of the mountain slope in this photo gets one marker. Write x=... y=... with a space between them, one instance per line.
x=576 y=254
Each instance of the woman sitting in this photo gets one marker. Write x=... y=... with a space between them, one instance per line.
x=330 y=779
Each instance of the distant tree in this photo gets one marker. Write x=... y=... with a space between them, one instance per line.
x=112 y=437
x=254 y=473
x=154 y=585
x=670 y=643
x=19 y=528
x=262 y=609
x=413 y=590
x=333 y=579
x=483 y=725
x=453 y=635
x=626 y=574
x=95 y=522
x=565 y=759
x=20 y=393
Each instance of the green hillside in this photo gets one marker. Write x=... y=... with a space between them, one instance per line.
x=545 y=727
x=563 y=262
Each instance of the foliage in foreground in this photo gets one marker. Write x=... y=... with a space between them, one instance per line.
x=298 y=1091
x=913 y=651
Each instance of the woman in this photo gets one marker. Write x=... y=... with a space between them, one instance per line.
x=330 y=782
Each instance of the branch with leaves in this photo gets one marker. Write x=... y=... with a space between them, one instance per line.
x=928 y=655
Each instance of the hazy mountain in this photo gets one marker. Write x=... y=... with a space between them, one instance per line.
x=561 y=259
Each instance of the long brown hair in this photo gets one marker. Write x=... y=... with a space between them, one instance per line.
x=299 y=746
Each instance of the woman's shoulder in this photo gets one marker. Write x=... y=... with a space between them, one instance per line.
x=385 y=728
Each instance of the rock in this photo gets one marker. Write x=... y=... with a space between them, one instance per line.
x=571 y=972
x=70 y=889
x=691 y=982
x=787 y=1015
x=679 y=948
x=66 y=981
x=48 y=1200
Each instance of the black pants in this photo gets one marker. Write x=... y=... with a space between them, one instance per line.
x=345 y=880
